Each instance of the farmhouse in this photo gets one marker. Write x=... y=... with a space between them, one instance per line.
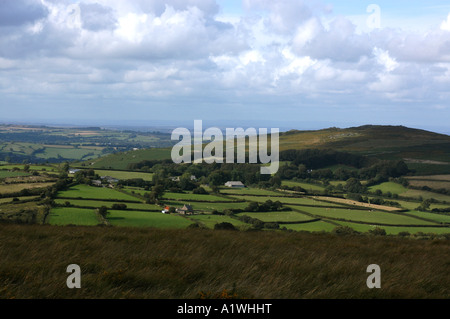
x=234 y=184
x=73 y=170
x=97 y=183
x=185 y=210
x=109 y=179
x=166 y=210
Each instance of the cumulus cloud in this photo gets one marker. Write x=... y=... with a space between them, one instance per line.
x=180 y=48
x=19 y=12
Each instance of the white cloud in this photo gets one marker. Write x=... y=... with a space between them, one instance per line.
x=445 y=25
x=383 y=58
x=277 y=49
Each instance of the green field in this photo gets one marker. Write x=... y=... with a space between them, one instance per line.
x=440 y=218
x=10 y=199
x=74 y=216
x=288 y=216
x=69 y=153
x=289 y=200
x=211 y=220
x=308 y=187
x=414 y=193
x=84 y=191
x=195 y=197
x=120 y=161
x=392 y=187
x=249 y=191
x=146 y=219
x=4 y=174
x=97 y=203
x=393 y=230
x=125 y=175
x=366 y=216
x=207 y=207
x=48 y=168
x=317 y=226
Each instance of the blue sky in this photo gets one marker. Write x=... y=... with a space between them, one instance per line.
x=286 y=63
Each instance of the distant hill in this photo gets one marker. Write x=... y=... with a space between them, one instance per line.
x=422 y=150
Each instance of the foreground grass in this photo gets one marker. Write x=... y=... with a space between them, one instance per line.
x=154 y=263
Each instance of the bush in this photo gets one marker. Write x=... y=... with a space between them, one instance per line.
x=404 y=234
x=344 y=230
x=200 y=190
x=119 y=206
x=224 y=226
x=377 y=231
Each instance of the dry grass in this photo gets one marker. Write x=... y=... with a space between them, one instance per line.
x=355 y=203
x=153 y=263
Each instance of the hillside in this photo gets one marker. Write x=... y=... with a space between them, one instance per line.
x=155 y=263
x=44 y=144
x=424 y=151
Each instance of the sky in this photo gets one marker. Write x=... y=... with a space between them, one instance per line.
x=262 y=63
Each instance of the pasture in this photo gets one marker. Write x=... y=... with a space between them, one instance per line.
x=285 y=216
x=211 y=220
x=290 y=200
x=146 y=219
x=72 y=216
x=365 y=216
x=84 y=191
x=306 y=186
x=125 y=174
x=108 y=204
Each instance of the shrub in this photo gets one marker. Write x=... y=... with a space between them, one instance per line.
x=119 y=206
x=200 y=190
x=224 y=226
x=344 y=230
x=377 y=231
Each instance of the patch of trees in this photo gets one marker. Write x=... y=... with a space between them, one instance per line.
x=267 y=206
x=85 y=176
x=119 y=206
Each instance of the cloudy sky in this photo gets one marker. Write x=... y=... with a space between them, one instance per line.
x=272 y=63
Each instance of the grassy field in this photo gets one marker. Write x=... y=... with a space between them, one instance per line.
x=414 y=193
x=440 y=218
x=308 y=187
x=317 y=226
x=10 y=199
x=288 y=216
x=98 y=203
x=392 y=187
x=353 y=203
x=146 y=219
x=4 y=174
x=69 y=152
x=74 y=216
x=207 y=207
x=431 y=184
x=121 y=161
x=179 y=264
x=125 y=175
x=84 y=191
x=248 y=191
x=48 y=168
x=395 y=230
x=211 y=220
x=289 y=200
x=194 y=197
x=366 y=216
x=12 y=188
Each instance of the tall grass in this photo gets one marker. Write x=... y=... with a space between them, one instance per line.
x=189 y=263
